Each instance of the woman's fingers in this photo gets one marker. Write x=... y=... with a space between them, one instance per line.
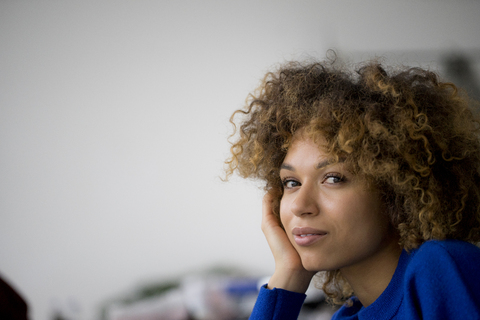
x=289 y=272
x=283 y=251
x=271 y=227
x=268 y=218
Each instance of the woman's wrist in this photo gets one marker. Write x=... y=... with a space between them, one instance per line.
x=295 y=281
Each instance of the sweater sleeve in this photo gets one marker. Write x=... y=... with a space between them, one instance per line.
x=443 y=281
x=277 y=304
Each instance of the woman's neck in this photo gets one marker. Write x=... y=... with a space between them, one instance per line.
x=370 y=278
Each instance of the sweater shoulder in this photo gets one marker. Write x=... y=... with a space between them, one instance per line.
x=442 y=280
x=445 y=256
x=446 y=249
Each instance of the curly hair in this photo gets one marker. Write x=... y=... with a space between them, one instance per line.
x=412 y=136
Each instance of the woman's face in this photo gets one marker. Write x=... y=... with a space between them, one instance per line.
x=330 y=216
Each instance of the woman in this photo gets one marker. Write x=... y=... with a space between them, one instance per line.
x=372 y=182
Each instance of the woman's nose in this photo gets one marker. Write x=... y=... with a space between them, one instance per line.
x=305 y=202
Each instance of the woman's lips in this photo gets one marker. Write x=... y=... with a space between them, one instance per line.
x=307 y=236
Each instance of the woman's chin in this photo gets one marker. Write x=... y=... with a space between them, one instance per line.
x=312 y=267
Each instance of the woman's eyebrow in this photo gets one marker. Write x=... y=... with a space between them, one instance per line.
x=287 y=167
x=323 y=164
x=328 y=162
x=320 y=165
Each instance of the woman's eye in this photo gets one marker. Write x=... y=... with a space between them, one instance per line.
x=333 y=179
x=289 y=183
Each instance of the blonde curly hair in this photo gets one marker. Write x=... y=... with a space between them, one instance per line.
x=412 y=136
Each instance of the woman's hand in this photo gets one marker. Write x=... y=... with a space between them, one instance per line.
x=289 y=272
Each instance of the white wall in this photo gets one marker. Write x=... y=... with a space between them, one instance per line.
x=113 y=125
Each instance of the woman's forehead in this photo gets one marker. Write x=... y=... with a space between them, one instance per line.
x=304 y=149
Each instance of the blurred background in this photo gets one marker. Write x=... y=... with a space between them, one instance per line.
x=113 y=132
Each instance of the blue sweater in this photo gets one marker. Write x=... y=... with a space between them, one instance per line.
x=440 y=280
